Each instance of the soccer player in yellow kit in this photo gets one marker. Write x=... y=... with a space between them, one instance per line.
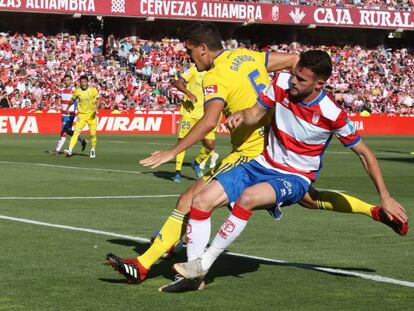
x=192 y=109
x=233 y=82
x=88 y=104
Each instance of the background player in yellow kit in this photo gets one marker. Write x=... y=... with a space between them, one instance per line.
x=192 y=109
x=232 y=83
x=88 y=104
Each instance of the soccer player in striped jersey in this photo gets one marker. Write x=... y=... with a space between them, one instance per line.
x=191 y=84
x=233 y=82
x=305 y=119
x=67 y=116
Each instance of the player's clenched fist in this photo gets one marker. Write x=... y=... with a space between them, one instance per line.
x=234 y=120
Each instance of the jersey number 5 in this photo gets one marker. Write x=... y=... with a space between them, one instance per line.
x=253 y=77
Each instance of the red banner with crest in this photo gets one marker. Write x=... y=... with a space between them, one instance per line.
x=233 y=11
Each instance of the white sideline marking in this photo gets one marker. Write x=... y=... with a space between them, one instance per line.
x=40 y=223
x=71 y=167
x=93 y=197
x=371 y=277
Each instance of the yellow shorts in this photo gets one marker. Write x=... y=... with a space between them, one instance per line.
x=231 y=160
x=187 y=123
x=86 y=118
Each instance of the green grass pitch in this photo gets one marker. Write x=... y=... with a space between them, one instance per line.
x=44 y=268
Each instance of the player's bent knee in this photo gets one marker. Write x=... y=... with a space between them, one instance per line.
x=201 y=202
x=209 y=144
x=248 y=199
x=184 y=203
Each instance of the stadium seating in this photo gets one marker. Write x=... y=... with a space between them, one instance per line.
x=136 y=74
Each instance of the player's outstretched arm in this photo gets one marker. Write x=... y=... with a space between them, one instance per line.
x=281 y=61
x=181 y=86
x=370 y=163
x=212 y=113
x=248 y=116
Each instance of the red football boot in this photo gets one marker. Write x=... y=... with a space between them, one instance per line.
x=379 y=214
x=128 y=267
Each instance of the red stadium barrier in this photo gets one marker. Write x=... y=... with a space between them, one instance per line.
x=29 y=121
x=384 y=125
x=224 y=11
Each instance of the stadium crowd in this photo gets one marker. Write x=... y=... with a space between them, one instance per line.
x=131 y=73
x=403 y=5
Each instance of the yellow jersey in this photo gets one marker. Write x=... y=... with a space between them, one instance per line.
x=237 y=78
x=86 y=99
x=194 y=83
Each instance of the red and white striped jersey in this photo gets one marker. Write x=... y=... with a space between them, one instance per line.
x=99 y=41
x=65 y=98
x=300 y=133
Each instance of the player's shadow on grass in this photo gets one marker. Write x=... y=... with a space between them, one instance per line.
x=62 y=153
x=394 y=151
x=167 y=175
x=227 y=264
x=400 y=160
x=408 y=158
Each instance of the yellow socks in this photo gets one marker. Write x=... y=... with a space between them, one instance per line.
x=93 y=140
x=343 y=203
x=74 y=139
x=179 y=158
x=204 y=154
x=171 y=232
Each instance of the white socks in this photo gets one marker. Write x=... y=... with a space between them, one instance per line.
x=228 y=233
x=198 y=233
x=60 y=143
x=199 y=229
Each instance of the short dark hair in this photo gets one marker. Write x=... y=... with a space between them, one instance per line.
x=83 y=77
x=318 y=61
x=203 y=33
x=67 y=76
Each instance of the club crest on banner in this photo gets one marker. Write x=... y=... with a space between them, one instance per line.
x=118 y=6
x=275 y=13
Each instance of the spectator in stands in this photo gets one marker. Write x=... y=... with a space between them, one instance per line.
x=132 y=60
x=4 y=99
x=146 y=71
x=381 y=80
x=122 y=56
